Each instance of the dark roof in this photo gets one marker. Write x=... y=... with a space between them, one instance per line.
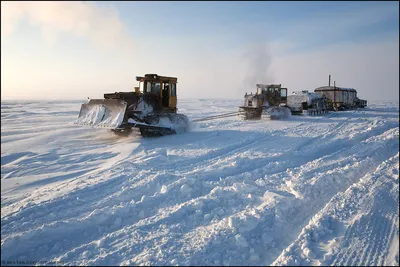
x=262 y=86
x=155 y=77
x=331 y=88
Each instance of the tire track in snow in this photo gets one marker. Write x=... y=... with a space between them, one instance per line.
x=377 y=230
x=390 y=237
x=392 y=258
x=367 y=239
x=389 y=234
x=381 y=225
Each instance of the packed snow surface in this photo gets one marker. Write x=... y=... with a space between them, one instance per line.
x=320 y=190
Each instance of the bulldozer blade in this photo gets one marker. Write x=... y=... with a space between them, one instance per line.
x=102 y=113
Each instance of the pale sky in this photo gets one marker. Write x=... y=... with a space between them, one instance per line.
x=74 y=50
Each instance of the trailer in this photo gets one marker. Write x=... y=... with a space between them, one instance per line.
x=305 y=102
x=340 y=98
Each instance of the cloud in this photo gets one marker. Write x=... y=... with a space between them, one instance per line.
x=101 y=24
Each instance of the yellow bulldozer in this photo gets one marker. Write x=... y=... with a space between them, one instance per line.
x=269 y=101
x=152 y=110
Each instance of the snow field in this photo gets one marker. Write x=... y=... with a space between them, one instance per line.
x=301 y=191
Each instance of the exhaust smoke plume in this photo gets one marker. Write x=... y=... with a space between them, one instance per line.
x=258 y=66
x=100 y=24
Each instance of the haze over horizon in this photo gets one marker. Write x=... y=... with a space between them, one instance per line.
x=72 y=50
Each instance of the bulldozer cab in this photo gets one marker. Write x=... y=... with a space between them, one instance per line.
x=160 y=90
x=274 y=93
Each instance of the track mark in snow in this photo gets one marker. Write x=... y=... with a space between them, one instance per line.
x=283 y=192
x=357 y=227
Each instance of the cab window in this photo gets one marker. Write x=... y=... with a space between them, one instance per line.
x=148 y=87
x=165 y=89
x=173 y=89
x=166 y=86
x=155 y=88
x=283 y=92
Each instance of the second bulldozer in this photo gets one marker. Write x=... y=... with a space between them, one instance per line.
x=269 y=101
x=153 y=110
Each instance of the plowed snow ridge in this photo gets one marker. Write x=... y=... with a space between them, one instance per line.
x=302 y=191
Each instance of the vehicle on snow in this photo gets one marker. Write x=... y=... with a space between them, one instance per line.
x=340 y=98
x=153 y=110
x=268 y=101
x=305 y=102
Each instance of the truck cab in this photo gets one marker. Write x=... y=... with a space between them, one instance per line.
x=160 y=90
x=274 y=93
